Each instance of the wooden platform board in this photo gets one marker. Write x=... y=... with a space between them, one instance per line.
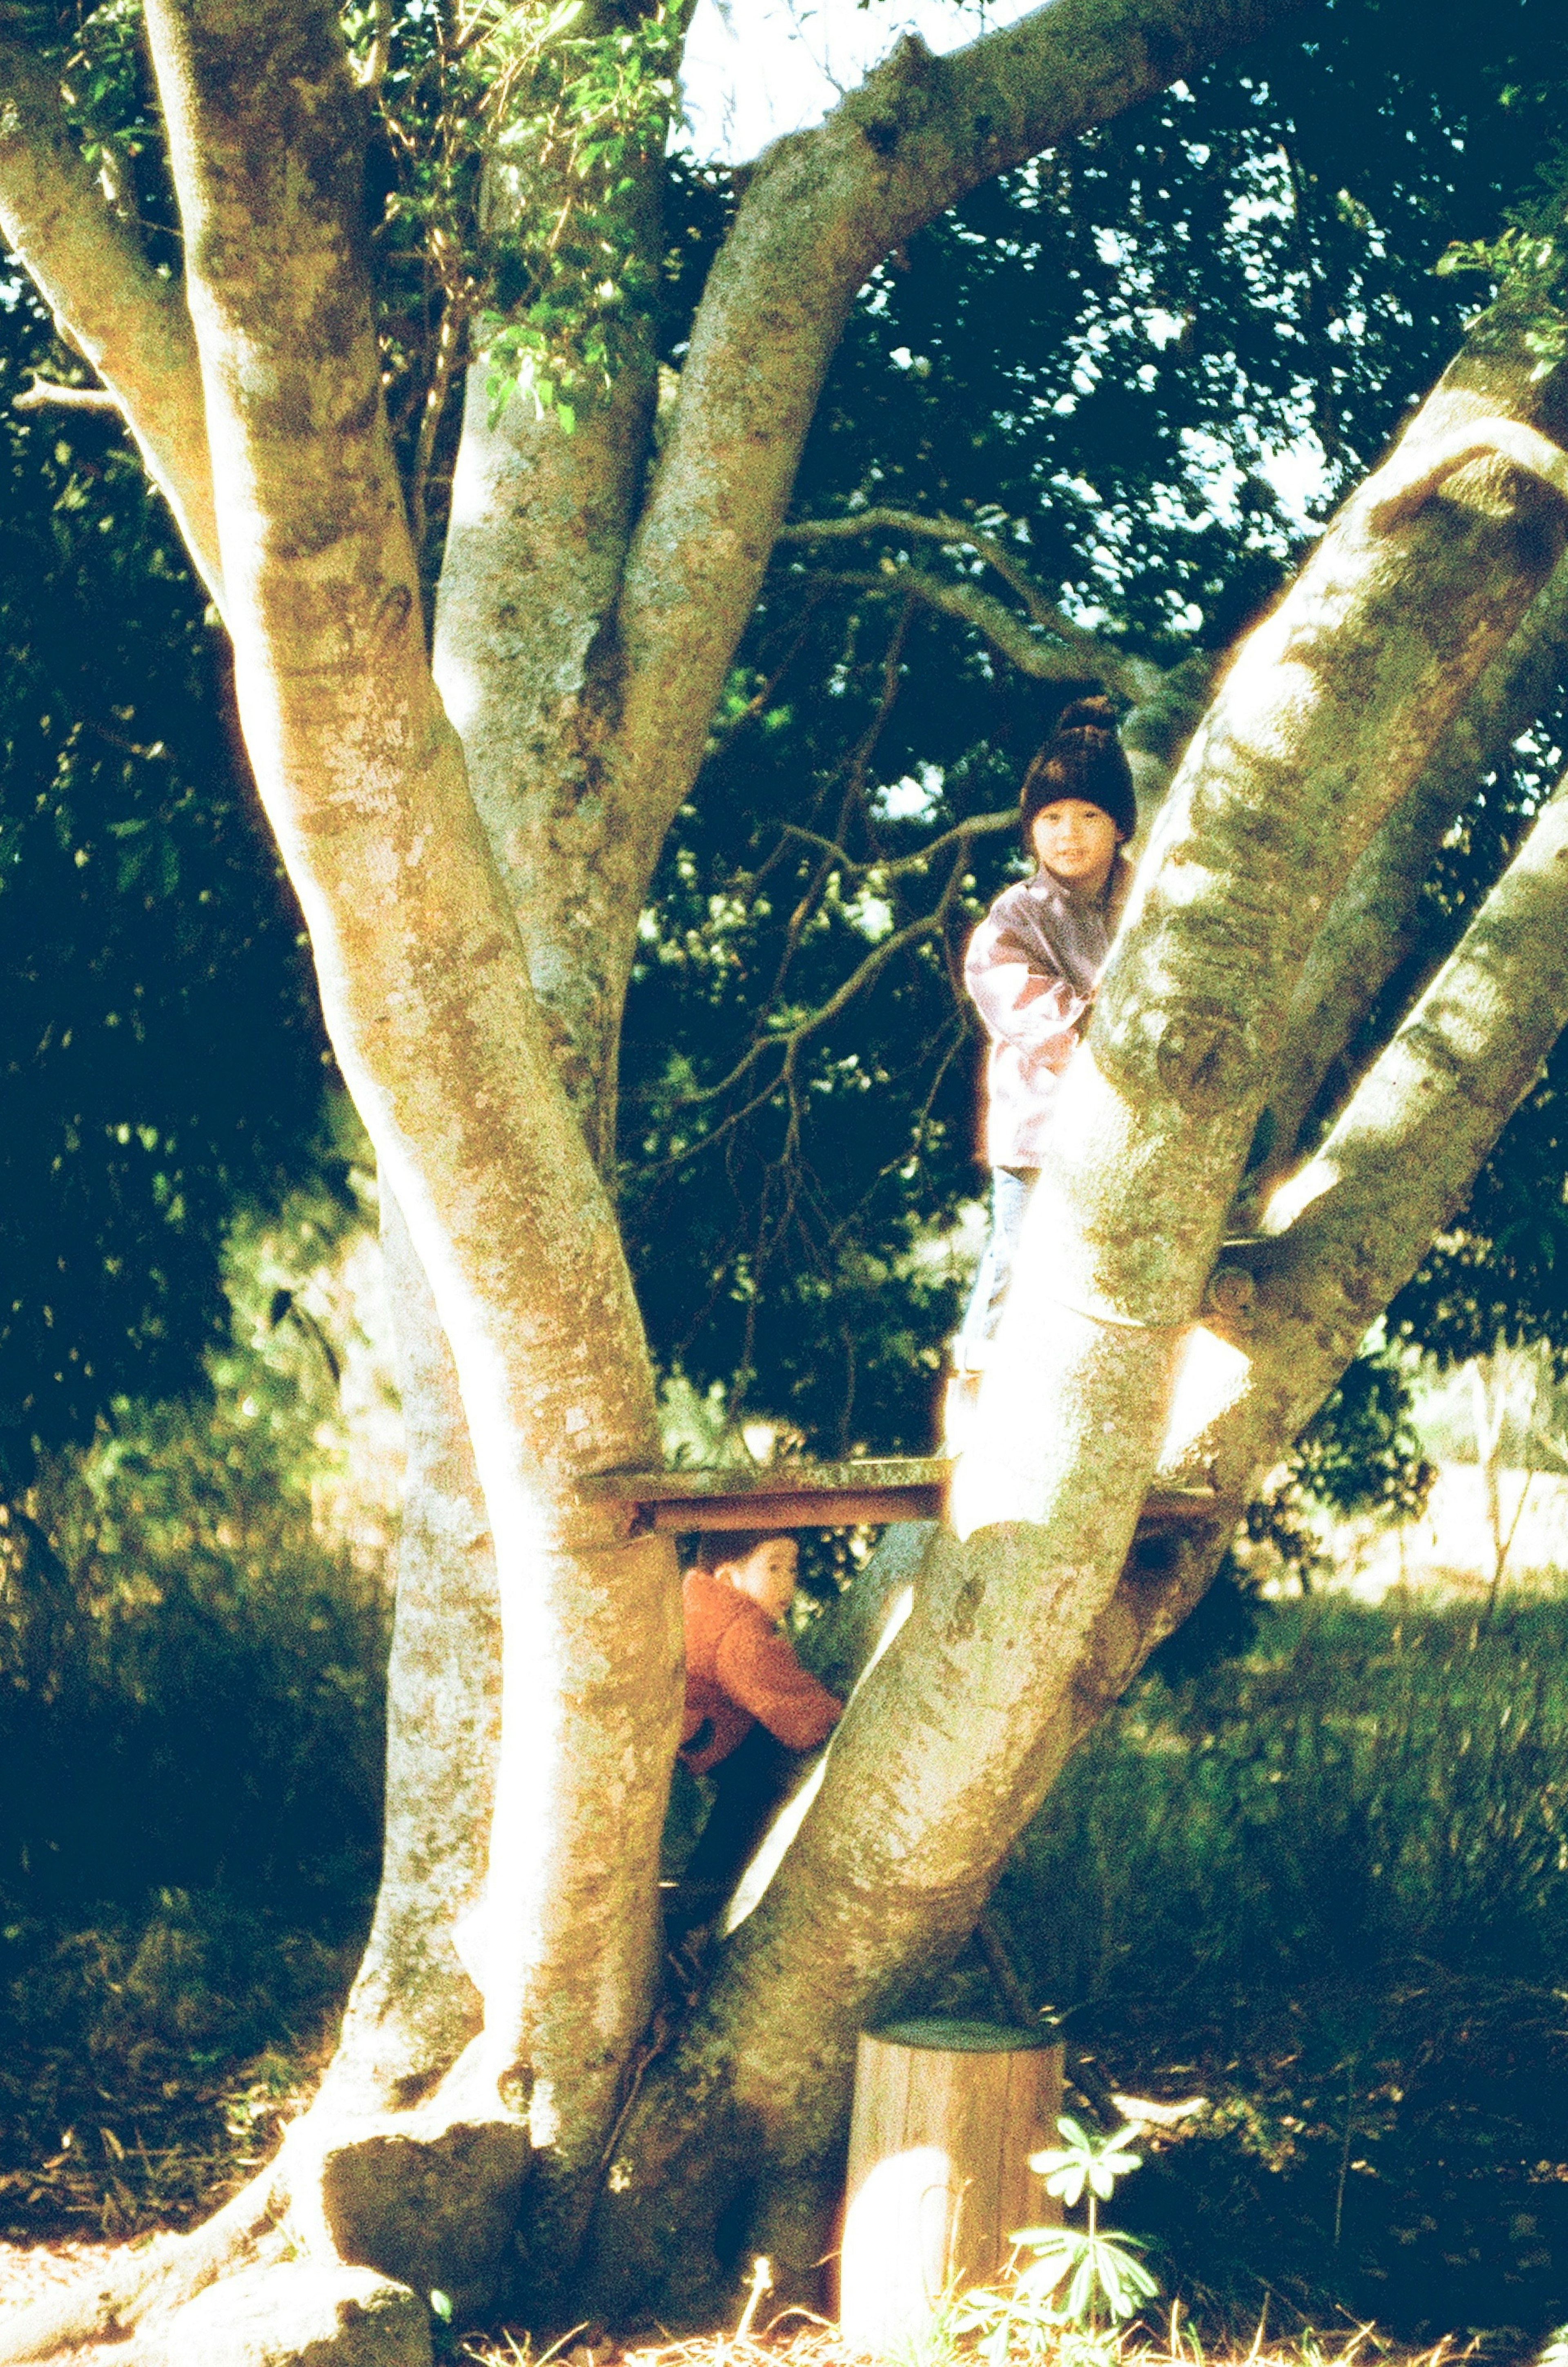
x=822 y=1496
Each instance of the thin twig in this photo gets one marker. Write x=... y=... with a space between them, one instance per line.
x=950 y=531
x=373 y=72
x=895 y=867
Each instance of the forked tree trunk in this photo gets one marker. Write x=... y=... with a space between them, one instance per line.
x=1326 y=719
x=473 y=894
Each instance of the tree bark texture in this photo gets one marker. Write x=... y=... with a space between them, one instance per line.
x=88 y=267
x=436 y=1027
x=472 y=847
x=1371 y=932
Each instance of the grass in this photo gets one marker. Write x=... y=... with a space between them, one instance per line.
x=151 y=2061
x=799 y=2340
x=1326 y=1888
x=1323 y=1886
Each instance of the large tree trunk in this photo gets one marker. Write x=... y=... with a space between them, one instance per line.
x=472 y=849
x=1323 y=724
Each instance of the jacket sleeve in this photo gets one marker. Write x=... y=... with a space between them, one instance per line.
x=1034 y=1009
x=757 y=1668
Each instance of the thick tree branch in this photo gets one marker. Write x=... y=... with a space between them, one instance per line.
x=425 y=992
x=129 y=324
x=1352 y=1225
x=532 y=569
x=1371 y=929
x=819 y=213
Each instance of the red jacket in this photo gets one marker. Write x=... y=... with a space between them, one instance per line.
x=739 y=1668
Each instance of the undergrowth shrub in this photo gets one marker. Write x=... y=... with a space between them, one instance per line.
x=191 y=1658
x=194 y=1616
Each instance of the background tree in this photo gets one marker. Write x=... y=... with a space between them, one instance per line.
x=474 y=914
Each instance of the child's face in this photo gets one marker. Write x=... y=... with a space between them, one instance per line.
x=1076 y=841
x=767 y=1575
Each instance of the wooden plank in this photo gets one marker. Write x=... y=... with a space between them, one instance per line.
x=823 y=1508
x=863 y=1472
x=869 y=1488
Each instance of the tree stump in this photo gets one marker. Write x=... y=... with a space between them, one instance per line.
x=946 y=2115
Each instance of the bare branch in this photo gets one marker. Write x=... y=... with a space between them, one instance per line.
x=950 y=532
x=44 y=394
x=1084 y=659
x=128 y=324
x=880 y=867
x=373 y=74
x=788 y=1040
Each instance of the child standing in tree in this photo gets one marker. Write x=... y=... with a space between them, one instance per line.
x=752 y=1709
x=1031 y=969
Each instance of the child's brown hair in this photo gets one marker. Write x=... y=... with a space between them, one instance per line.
x=713 y=1547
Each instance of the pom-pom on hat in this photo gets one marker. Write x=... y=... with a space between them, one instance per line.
x=1083 y=758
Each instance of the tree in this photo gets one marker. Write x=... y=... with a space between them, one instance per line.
x=472 y=821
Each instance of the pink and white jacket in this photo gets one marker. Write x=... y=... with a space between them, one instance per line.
x=1031 y=970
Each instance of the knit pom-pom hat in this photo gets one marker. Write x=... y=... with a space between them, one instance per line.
x=1082 y=759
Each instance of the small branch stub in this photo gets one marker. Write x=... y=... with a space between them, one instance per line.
x=45 y=394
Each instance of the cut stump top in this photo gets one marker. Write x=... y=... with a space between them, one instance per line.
x=944 y=2035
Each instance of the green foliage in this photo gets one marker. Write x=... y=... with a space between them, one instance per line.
x=1527 y=263
x=514 y=208
x=190 y=1659
x=161 y=1051
x=1064 y=2277
x=583 y=117
x=1360 y=1454
x=193 y=1633
x=150 y=2057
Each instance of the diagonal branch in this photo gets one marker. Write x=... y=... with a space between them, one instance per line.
x=950 y=532
x=1350 y=1227
x=1400 y=1159
x=1082 y=659
x=1372 y=927
x=819 y=213
x=109 y=304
